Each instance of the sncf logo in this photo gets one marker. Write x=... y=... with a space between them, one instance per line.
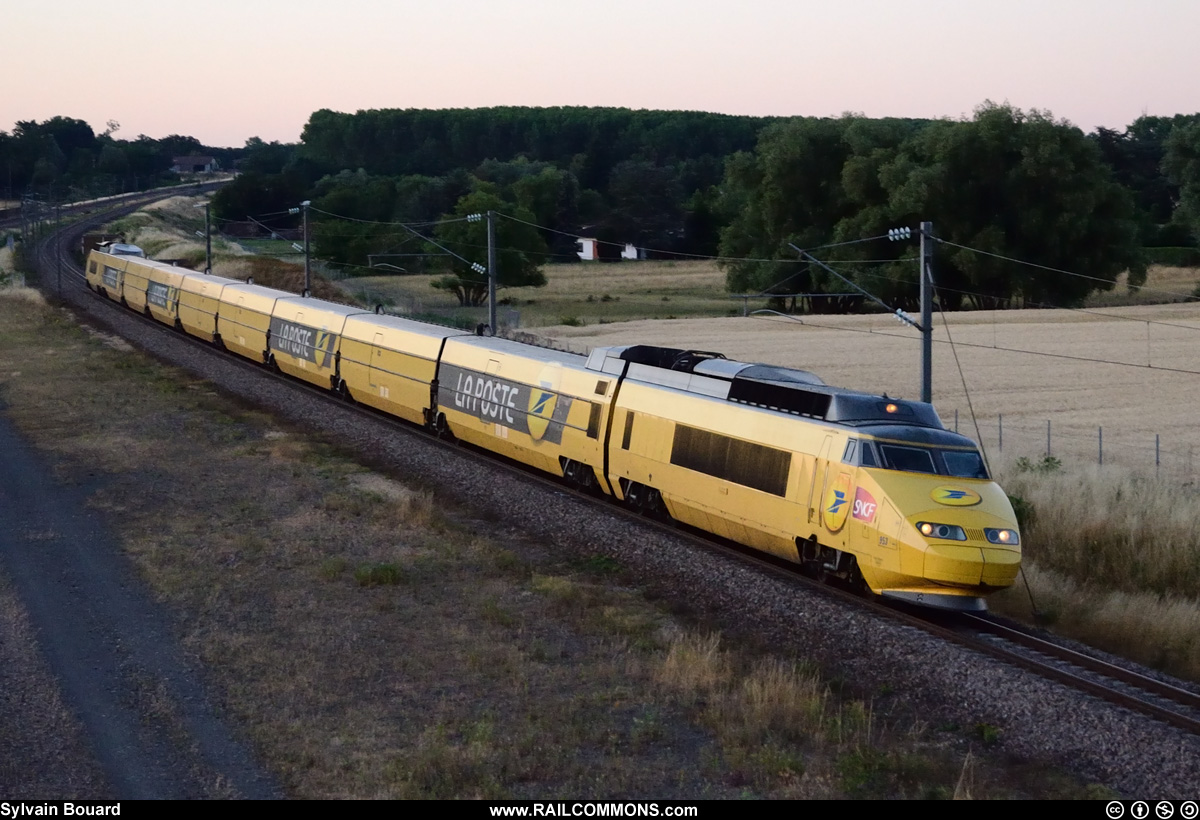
x=864 y=506
x=955 y=496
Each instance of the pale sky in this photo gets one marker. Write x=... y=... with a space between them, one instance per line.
x=227 y=70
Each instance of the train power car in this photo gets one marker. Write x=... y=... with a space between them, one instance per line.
x=854 y=485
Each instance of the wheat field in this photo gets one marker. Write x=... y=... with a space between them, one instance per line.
x=1028 y=366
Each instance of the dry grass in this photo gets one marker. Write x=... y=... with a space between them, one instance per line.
x=1160 y=631
x=1112 y=559
x=7 y=264
x=1163 y=284
x=1116 y=530
x=373 y=644
x=581 y=294
x=24 y=294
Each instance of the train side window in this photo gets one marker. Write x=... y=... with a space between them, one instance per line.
x=593 y=430
x=628 y=430
x=866 y=456
x=851 y=452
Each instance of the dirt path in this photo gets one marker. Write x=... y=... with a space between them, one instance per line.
x=151 y=729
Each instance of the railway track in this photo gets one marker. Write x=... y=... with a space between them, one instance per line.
x=1168 y=702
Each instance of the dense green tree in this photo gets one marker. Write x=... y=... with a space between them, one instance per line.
x=113 y=161
x=1021 y=185
x=266 y=157
x=521 y=250
x=789 y=191
x=645 y=205
x=352 y=216
x=1006 y=182
x=259 y=195
x=1182 y=166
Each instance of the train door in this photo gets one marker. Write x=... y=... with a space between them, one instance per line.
x=817 y=481
x=375 y=370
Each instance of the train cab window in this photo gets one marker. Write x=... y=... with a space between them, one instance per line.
x=866 y=455
x=851 y=453
x=965 y=465
x=908 y=459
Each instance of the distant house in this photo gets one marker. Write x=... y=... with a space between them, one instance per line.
x=195 y=165
x=589 y=250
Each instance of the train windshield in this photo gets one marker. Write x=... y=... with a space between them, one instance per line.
x=964 y=464
x=912 y=458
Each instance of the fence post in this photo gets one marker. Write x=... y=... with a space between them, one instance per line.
x=1156 y=455
x=1000 y=446
x=1047 y=438
x=1100 y=433
x=956 y=419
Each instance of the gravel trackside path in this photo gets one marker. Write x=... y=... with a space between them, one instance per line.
x=152 y=731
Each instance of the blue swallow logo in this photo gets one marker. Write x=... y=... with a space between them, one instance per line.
x=839 y=498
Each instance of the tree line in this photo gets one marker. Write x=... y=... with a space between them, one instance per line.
x=1006 y=182
x=64 y=159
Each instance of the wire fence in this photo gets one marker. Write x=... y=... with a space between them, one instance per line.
x=1009 y=438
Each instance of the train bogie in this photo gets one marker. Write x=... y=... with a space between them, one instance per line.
x=390 y=363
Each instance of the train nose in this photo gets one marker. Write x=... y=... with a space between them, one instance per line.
x=975 y=566
x=954 y=564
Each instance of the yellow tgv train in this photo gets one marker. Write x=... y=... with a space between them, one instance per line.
x=868 y=489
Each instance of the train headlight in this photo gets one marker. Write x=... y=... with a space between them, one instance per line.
x=1008 y=538
x=948 y=532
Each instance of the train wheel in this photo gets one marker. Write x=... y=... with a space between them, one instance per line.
x=646 y=500
x=442 y=428
x=580 y=476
